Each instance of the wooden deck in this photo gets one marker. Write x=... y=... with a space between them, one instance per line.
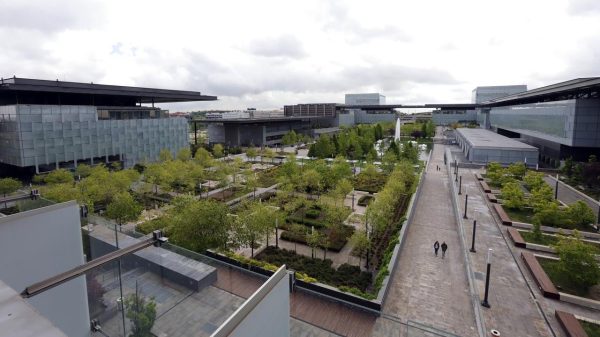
x=320 y=312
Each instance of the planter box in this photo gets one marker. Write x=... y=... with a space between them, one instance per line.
x=539 y=276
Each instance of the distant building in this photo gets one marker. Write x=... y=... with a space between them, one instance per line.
x=50 y=124
x=483 y=94
x=365 y=99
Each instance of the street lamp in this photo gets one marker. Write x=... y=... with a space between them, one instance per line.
x=487 y=279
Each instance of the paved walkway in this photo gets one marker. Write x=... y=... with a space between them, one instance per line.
x=569 y=195
x=513 y=310
x=425 y=288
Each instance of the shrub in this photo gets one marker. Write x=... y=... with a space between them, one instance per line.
x=365 y=200
x=513 y=196
x=578 y=261
x=313 y=213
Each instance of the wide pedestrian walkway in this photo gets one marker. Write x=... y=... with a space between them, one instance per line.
x=425 y=288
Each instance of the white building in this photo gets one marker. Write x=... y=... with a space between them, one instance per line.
x=365 y=99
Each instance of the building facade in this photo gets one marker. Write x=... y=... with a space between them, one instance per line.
x=45 y=124
x=487 y=93
x=364 y=99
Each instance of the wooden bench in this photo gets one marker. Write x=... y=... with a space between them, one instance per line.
x=502 y=214
x=539 y=276
x=478 y=176
x=492 y=198
x=486 y=187
x=570 y=324
x=516 y=237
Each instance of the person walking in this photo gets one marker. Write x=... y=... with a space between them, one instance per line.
x=444 y=248
x=436 y=247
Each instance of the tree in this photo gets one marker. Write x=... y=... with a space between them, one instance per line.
x=388 y=162
x=313 y=239
x=269 y=154
x=165 y=155
x=311 y=181
x=410 y=152
x=157 y=175
x=123 y=208
x=513 y=196
x=59 y=176
x=394 y=149
x=541 y=196
x=550 y=214
x=204 y=158
x=322 y=148
x=251 y=153
x=580 y=214
x=217 y=150
x=360 y=244
x=184 y=154
x=9 y=185
x=342 y=188
x=83 y=170
x=340 y=169
x=202 y=225
x=142 y=314
x=568 y=167
x=578 y=261
x=290 y=138
x=517 y=170
x=255 y=221
x=534 y=180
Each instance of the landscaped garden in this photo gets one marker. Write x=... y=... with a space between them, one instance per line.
x=591 y=329
x=527 y=198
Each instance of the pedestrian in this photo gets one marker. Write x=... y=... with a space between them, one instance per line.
x=444 y=248
x=436 y=247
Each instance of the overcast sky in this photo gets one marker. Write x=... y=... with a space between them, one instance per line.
x=265 y=54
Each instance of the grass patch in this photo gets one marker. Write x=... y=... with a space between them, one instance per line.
x=336 y=242
x=346 y=275
x=363 y=182
x=545 y=240
x=551 y=267
x=592 y=330
x=520 y=215
x=268 y=177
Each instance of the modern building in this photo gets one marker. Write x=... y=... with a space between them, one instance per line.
x=50 y=124
x=487 y=93
x=562 y=120
x=484 y=146
x=365 y=99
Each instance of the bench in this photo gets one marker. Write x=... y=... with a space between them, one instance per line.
x=478 y=176
x=492 y=198
x=570 y=324
x=539 y=276
x=485 y=186
x=502 y=214
x=516 y=237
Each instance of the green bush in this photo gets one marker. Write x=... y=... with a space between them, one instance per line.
x=334 y=244
x=151 y=225
x=345 y=275
x=313 y=213
x=305 y=221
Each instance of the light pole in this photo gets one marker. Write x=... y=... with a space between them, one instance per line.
x=556 y=188
x=472 y=250
x=487 y=279
x=466 y=204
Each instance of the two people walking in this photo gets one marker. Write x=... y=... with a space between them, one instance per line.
x=436 y=247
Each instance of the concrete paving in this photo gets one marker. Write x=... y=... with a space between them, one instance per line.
x=513 y=310
x=569 y=195
x=425 y=288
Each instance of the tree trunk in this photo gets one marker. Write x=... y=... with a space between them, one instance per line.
x=252 y=248
x=324 y=254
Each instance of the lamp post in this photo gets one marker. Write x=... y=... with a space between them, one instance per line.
x=487 y=279
x=556 y=188
x=466 y=204
x=472 y=250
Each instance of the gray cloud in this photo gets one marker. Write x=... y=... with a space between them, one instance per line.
x=283 y=46
x=584 y=7
x=50 y=16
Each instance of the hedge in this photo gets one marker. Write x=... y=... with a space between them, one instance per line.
x=365 y=200
x=335 y=246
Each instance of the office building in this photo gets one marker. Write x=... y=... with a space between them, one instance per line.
x=487 y=93
x=365 y=99
x=484 y=146
x=50 y=124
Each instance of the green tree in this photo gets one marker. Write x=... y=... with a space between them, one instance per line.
x=342 y=188
x=410 y=152
x=83 y=170
x=141 y=313
x=289 y=138
x=251 y=153
x=61 y=192
x=217 y=150
x=313 y=239
x=9 y=185
x=340 y=169
x=269 y=154
x=513 y=196
x=60 y=176
x=534 y=180
x=388 y=162
x=184 y=154
x=255 y=221
x=311 y=181
x=201 y=225
x=157 y=175
x=580 y=214
x=204 y=158
x=578 y=261
x=549 y=214
x=541 y=196
x=323 y=147
x=123 y=209
x=165 y=155
x=360 y=244
x=517 y=170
